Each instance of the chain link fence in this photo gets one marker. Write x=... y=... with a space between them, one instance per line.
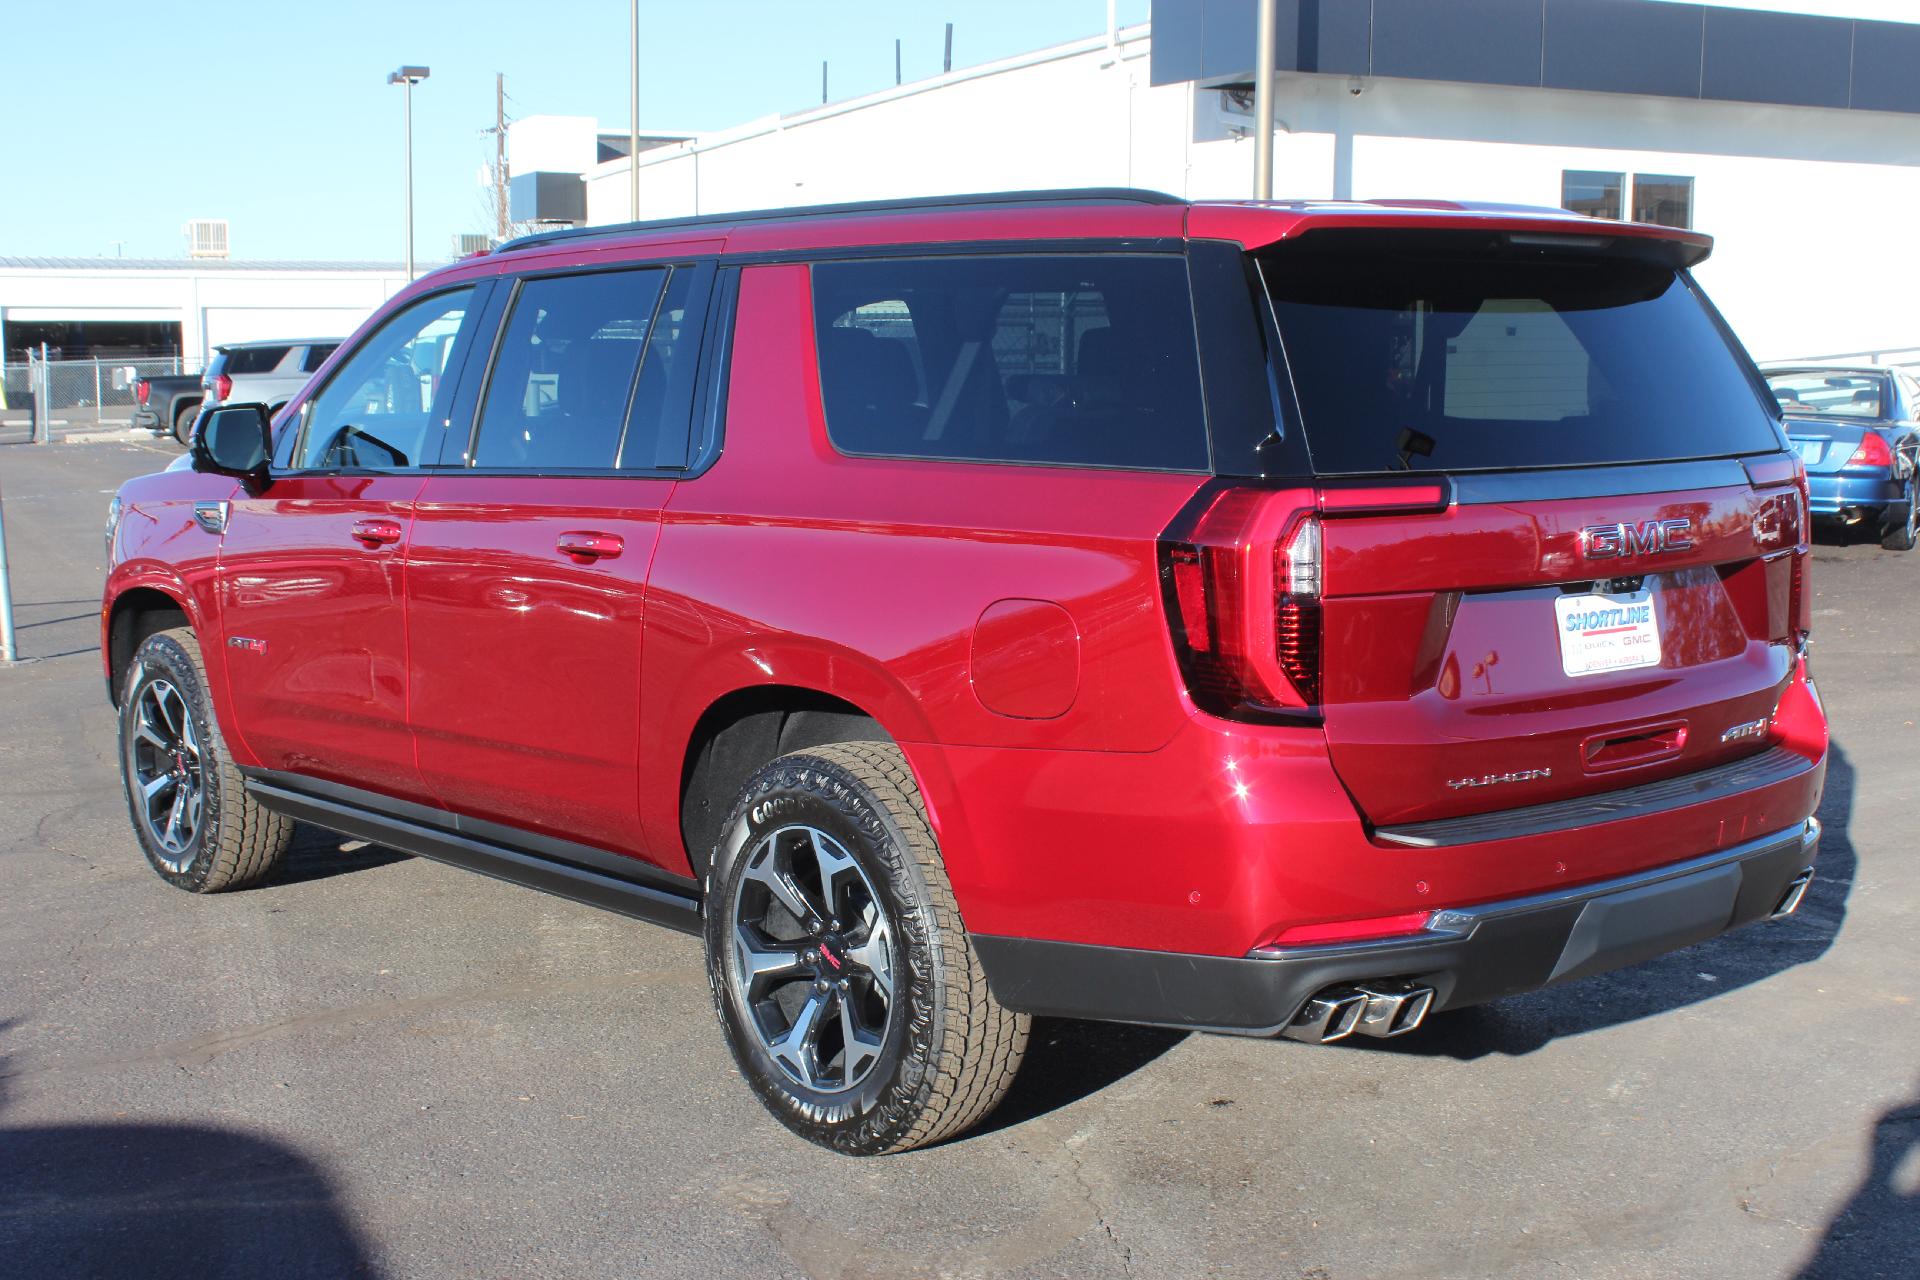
x=81 y=393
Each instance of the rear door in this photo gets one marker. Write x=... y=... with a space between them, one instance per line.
x=527 y=569
x=1603 y=597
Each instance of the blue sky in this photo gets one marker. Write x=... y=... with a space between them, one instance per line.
x=126 y=119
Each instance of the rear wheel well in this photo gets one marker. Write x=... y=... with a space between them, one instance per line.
x=745 y=730
x=136 y=615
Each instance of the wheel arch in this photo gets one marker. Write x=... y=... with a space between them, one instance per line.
x=741 y=731
x=135 y=614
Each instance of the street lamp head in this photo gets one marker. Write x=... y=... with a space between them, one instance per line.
x=408 y=75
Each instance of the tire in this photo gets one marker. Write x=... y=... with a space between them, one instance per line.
x=200 y=830
x=183 y=423
x=1902 y=530
x=890 y=968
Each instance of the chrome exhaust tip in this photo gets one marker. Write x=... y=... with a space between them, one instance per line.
x=1796 y=890
x=1331 y=1015
x=1393 y=1011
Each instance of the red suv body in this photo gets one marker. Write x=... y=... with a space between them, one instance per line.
x=1294 y=618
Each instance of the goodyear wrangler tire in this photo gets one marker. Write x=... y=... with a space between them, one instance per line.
x=850 y=995
x=196 y=823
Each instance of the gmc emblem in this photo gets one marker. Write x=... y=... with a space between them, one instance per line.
x=1608 y=541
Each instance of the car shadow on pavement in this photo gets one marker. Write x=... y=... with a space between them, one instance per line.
x=1068 y=1060
x=1521 y=1024
x=318 y=854
x=1880 y=1223
x=153 y=1199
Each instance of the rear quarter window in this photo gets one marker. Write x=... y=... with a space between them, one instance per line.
x=1032 y=358
x=1435 y=358
x=243 y=360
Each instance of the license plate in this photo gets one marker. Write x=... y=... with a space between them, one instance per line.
x=1600 y=633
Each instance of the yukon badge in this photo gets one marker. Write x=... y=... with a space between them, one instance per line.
x=1608 y=541
x=1495 y=779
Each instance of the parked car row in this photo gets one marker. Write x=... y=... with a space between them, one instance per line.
x=1857 y=430
x=1283 y=620
x=267 y=372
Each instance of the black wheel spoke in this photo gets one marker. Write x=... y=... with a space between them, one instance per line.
x=812 y=958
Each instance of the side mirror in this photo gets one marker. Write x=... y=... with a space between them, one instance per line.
x=235 y=440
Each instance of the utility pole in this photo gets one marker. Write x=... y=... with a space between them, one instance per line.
x=633 y=117
x=947 y=62
x=896 y=60
x=1264 y=30
x=500 y=155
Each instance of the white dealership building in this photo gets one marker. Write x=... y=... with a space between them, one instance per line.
x=1793 y=139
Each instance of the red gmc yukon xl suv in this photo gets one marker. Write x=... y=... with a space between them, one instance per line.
x=1285 y=620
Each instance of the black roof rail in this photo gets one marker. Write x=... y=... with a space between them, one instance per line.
x=1070 y=195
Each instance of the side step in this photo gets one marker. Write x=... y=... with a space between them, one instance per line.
x=628 y=894
x=1381 y=1010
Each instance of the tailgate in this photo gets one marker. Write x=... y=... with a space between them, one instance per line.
x=1514 y=649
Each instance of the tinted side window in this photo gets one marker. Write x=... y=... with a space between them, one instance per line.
x=375 y=409
x=563 y=380
x=663 y=395
x=317 y=356
x=1078 y=360
x=254 y=359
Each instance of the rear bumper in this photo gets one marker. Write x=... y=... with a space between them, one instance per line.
x=146 y=419
x=1468 y=955
x=1834 y=495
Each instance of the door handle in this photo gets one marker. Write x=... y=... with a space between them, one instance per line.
x=376 y=533
x=584 y=544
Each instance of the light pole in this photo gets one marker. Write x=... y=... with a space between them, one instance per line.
x=633 y=114
x=1263 y=39
x=407 y=77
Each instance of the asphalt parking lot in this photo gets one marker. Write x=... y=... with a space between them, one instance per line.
x=379 y=1066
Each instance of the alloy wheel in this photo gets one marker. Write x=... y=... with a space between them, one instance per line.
x=813 y=958
x=169 y=776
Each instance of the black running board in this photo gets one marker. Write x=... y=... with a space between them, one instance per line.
x=641 y=892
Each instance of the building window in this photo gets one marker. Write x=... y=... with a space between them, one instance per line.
x=1664 y=199
x=1593 y=193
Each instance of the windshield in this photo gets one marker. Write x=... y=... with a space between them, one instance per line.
x=1847 y=395
x=1412 y=357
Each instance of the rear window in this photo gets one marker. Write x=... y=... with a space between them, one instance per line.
x=1065 y=360
x=1852 y=395
x=254 y=360
x=1452 y=362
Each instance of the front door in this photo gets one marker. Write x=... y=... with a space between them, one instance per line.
x=312 y=568
x=527 y=569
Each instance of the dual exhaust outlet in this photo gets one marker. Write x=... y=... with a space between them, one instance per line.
x=1378 y=1009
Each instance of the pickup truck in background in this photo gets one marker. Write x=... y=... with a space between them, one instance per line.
x=266 y=373
x=166 y=404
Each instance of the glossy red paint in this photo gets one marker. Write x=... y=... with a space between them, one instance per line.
x=525 y=701
x=538 y=651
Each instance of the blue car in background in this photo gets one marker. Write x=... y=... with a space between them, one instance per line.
x=1858 y=431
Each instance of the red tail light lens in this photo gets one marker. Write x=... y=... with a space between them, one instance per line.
x=1873 y=452
x=1242 y=594
x=222 y=386
x=1799 y=602
x=141 y=390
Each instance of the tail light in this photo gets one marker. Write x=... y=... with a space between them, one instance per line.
x=1242 y=588
x=141 y=390
x=1799 y=603
x=1873 y=452
x=222 y=386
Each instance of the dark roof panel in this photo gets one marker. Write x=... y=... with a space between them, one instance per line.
x=1479 y=41
x=1604 y=46
x=1886 y=66
x=1790 y=58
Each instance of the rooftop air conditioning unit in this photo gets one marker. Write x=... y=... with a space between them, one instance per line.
x=207 y=238
x=471 y=242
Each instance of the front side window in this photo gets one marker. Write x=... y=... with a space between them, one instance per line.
x=563 y=381
x=1076 y=360
x=374 y=413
